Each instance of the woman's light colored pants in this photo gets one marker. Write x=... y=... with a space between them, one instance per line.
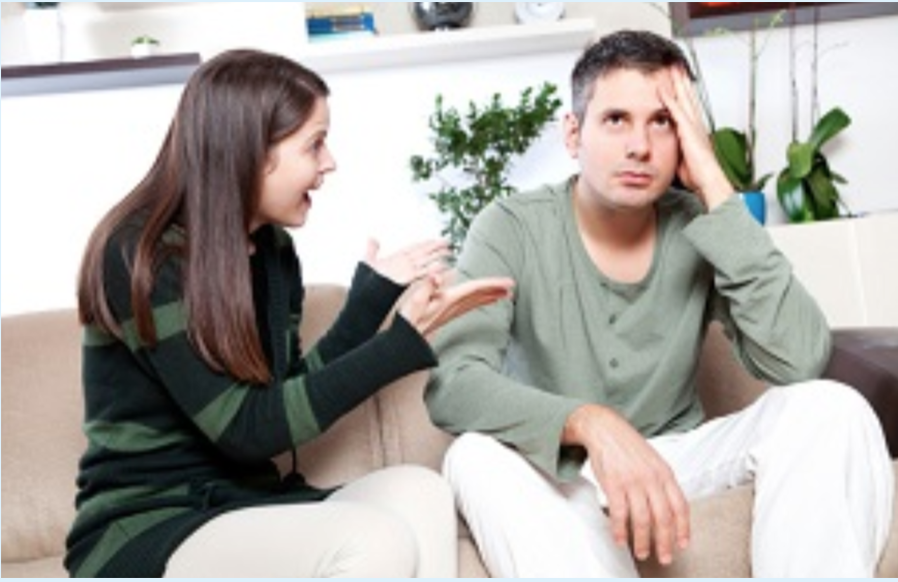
x=398 y=522
x=823 y=480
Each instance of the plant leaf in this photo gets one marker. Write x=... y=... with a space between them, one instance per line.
x=801 y=159
x=759 y=184
x=791 y=195
x=828 y=127
x=823 y=191
x=731 y=147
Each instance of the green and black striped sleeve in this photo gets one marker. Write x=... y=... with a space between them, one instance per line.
x=248 y=422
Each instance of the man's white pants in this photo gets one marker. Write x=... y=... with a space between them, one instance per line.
x=822 y=476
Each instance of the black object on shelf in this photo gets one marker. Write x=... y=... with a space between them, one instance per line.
x=22 y=81
x=442 y=15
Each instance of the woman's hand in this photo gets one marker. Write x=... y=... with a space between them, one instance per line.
x=410 y=264
x=429 y=305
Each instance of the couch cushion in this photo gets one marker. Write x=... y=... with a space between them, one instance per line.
x=44 y=568
x=720 y=540
x=42 y=439
x=409 y=435
x=724 y=386
x=867 y=359
x=352 y=447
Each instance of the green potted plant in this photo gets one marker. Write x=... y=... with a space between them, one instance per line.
x=144 y=46
x=735 y=149
x=474 y=153
x=807 y=188
x=735 y=153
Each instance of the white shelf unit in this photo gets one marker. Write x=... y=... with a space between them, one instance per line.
x=425 y=48
x=103 y=30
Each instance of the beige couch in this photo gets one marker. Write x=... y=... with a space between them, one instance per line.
x=42 y=441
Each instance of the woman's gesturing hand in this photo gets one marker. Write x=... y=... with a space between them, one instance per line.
x=411 y=263
x=429 y=305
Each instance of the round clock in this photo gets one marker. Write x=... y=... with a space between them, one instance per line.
x=527 y=12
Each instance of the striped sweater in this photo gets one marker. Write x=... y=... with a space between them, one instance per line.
x=172 y=443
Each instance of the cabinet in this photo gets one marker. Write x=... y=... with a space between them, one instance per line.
x=845 y=265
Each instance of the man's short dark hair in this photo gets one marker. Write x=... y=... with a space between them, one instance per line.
x=640 y=50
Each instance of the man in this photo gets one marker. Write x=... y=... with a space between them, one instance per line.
x=585 y=436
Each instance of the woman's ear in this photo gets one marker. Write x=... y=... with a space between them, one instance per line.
x=572 y=134
x=271 y=162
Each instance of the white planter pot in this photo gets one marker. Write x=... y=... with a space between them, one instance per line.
x=142 y=50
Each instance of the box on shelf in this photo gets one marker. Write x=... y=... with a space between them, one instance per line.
x=336 y=25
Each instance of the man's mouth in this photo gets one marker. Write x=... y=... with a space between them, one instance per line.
x=635 y=179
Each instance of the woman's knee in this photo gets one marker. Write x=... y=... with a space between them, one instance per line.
x=419 y=482
x=382 y=544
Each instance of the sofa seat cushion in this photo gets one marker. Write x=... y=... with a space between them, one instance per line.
x=44 y=568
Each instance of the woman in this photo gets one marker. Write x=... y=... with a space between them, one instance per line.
x=190 y=294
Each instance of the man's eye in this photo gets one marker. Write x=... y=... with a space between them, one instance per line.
x=614 y=119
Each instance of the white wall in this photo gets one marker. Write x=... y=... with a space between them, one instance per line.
x=67 y=158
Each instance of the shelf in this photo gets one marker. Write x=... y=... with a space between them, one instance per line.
x=427 y=48
x=364 y=54
x=121 y=73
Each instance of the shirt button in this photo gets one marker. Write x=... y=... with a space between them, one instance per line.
x=612 y=320
x=615 y=363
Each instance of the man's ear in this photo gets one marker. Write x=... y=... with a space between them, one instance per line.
x=572 y=134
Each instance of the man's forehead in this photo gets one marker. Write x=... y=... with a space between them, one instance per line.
x=630 y=89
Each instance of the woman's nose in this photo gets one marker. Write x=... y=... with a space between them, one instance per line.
x=328 y=163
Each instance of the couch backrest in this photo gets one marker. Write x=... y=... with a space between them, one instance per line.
x=353 y=446
x=42 y=439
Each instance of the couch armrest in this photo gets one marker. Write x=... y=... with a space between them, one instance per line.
x=867 y=359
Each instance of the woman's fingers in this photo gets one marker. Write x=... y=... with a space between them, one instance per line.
x=445 y=304
x=411 y=263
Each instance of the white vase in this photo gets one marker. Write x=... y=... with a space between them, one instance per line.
x=44 y=30
x=143 y=49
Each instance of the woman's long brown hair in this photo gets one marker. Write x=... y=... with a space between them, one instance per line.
x=206 y=180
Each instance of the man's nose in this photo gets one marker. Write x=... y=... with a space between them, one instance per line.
x=638 y=145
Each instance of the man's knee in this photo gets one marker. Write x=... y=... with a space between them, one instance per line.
x=827 y=404
x=472 y=451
